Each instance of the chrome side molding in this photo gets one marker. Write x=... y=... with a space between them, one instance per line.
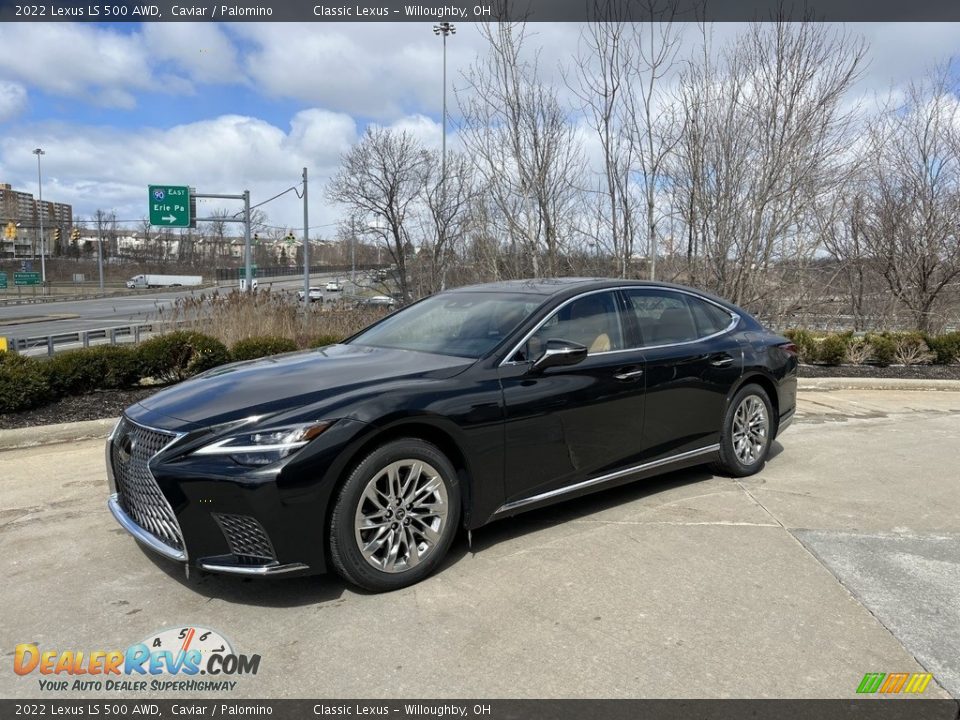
x=261 y=570
x=606 y=478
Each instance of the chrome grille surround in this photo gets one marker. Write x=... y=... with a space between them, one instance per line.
x=246 y=537
x=131 y=448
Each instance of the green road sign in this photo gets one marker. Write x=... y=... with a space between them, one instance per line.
x=243 y=271
x=170 y=205
x=3 y=281
x=26 y=278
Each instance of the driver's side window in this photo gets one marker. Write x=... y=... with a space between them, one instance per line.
x=591 y=321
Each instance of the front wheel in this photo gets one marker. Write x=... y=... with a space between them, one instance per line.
x=746 y=433
x=395 y=516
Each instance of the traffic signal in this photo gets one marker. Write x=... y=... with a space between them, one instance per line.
x=256 y=238
x=75 y=234
x=56 y=236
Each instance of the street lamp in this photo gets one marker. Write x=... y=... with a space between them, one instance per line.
x=43 y=264
x=444 y=29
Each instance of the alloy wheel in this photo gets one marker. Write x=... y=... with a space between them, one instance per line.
x=750 y=430
x=401 y=515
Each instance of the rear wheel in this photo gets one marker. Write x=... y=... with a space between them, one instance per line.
x=746 y=434
x=395 y=516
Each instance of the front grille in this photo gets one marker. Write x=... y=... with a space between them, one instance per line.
x=137 y=490
x=246 y=537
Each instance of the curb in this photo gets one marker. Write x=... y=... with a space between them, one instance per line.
x=16 y=438
x=92 y=429
x=842 y=383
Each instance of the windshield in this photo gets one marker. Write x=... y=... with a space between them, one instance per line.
x=464 y=324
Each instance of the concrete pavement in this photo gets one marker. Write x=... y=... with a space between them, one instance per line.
x=840 y=558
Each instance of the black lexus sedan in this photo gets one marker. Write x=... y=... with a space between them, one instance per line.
x=466 y=407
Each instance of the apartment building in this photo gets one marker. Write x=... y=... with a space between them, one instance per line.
x=20 y=217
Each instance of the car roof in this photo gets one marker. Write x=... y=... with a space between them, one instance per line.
x=568 y=285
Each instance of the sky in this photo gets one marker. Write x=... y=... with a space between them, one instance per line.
x=229 y=107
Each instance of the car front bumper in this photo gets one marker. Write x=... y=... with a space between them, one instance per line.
x=259 y=522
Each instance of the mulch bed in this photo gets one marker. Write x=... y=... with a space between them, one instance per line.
x=110 y=403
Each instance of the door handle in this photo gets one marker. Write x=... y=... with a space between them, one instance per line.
x=722 y=362
x=629 y=375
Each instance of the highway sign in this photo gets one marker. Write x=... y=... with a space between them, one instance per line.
x=3 y=281
x=243 y=271
x=26 y=278
x=169 y=205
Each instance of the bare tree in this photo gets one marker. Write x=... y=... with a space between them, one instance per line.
x=446 y=205
x=526 y=153
x=912 y=206
x=381 y=178
x=602 y=73
x=765 y=140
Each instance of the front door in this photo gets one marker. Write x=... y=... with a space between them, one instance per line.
x=568 y=424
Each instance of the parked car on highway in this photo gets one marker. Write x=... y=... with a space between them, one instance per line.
x=315 y=294
x=472 y=405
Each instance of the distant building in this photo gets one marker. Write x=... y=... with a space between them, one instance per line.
x=22 y=211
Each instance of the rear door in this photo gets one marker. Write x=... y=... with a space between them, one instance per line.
x=691 y=360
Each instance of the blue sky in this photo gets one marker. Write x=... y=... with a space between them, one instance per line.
x=230 y=107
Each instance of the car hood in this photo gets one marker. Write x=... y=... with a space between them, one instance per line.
x=286 y=382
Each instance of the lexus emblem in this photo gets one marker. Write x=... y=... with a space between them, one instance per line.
x=125 y=448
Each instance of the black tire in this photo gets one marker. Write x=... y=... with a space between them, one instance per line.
x=346 y=532
x=732 y=463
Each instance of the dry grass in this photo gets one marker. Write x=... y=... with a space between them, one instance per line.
x=234 y=316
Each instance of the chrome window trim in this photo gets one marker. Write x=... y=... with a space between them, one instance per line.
x=507 y=507
x=735 y=320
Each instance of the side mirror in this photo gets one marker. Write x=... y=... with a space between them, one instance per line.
x=559 y=353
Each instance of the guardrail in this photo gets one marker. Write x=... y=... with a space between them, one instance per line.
x=83 y=338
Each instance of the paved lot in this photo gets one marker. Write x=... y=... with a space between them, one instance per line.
x=841 y=558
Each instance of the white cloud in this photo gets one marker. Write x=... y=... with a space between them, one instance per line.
x=102 y=168
x=75 y=60
x=201 y=50
x=378 y=70
x=13 y=99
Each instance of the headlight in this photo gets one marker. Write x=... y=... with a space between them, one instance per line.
x=262 y=447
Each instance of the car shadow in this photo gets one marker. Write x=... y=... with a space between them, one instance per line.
x=284 y=592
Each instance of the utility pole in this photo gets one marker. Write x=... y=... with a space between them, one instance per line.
x=353 y=252
x=100 y=256
x=247 y=247
x=306 y=246
x=43 y=263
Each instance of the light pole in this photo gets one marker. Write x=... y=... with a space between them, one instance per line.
x=444 y=29
x=43 y=264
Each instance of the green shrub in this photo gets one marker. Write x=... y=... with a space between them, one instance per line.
x=324 y=340
x=258 y=347
x=832 y=350
x=181 y=354
x=72 y=372
x=101 y=367
x=883 y=347
x=946 y=348
x=805 y=342
x=23 y=383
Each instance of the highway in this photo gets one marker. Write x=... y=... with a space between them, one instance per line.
x=18 y=321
